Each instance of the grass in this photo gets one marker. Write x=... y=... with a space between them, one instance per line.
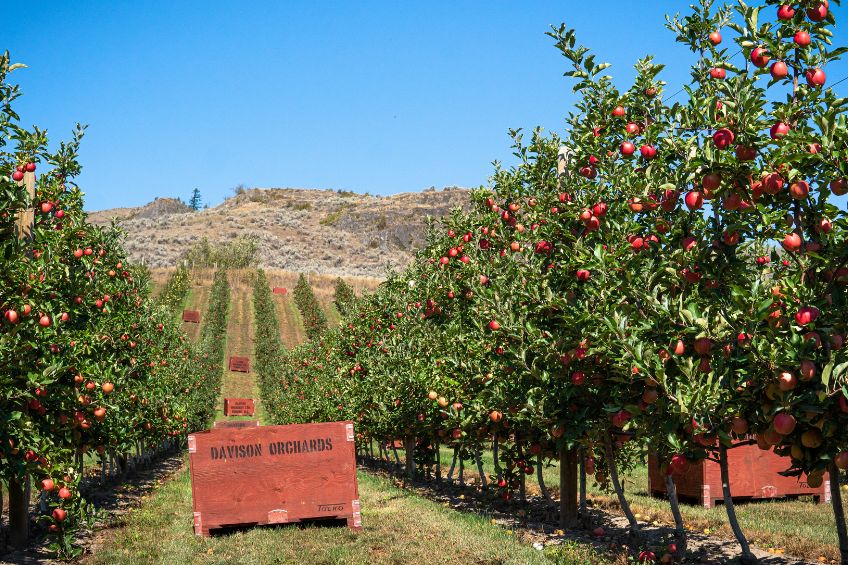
x=797 y=527
x=399 y=527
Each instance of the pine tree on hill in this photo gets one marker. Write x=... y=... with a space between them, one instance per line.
x=195 y=202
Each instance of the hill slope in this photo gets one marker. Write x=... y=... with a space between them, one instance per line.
x=325 y=231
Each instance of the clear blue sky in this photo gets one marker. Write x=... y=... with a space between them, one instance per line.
x=379 y=97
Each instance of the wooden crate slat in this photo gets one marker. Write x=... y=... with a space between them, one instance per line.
x=234 y=424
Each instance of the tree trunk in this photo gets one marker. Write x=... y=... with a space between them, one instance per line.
x=18 y=512
x=453 y=463
x=438 y=462
x=541 y=479
x=397 y=457
x=567 y=487
x=581 y=510
x=495 y=446
x=409 y=447
x=522 y=487
x=461 y=472
x=679 y=529
x=479 y=460
x=746 y=557
x=838 y=512
x=616 y=484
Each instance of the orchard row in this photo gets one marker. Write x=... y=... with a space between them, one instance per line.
x=90 y=364
x=681 y=298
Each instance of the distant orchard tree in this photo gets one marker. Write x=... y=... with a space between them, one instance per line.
x=195 y=201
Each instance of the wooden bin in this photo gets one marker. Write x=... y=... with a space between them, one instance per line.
x=753 y=475
x=192 y=316
x=218 y=424
x=238 y=407
x=240 y=364
x=273 y=475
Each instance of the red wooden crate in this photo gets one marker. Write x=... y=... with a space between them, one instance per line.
x=218 y=424
x=273 y=475
x=240 y=364
x=753 y=475
x=280 y=290
x=238 y=407
x=192 y=316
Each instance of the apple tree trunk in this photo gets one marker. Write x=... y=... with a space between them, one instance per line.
x=18 y=511
x=567 y=487
x=619 y=491
x=746 y=557
x=838 y=512
x=679 y=529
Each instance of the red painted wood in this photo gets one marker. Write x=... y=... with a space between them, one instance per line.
x=238 y=407
x=273 y=475
x=753 y=475
x=280 y=290
x=234 y=424
x=240 y=364
x=192 y=316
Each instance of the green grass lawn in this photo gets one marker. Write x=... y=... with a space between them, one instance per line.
x=398 y=527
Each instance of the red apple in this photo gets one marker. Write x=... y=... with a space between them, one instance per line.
x=792 y=242
x=779 y=130
x=839 y=186
x=739 y=425
x=806 y=315
x=718 y=73
x=494 y=325
x=808 y=370
x=694 y=200
x=715 y=38
x=787 y=381
x=818 y=11
x=802 y=38
x=703 y=345
x=583 y=275
x=815 y=77
x=759 y=57
x=785 y=12
x=723 y=138
x=784 y=423
x=618 y=111
x=841 y=460
x=627 y=148
x=59 y=514
x=648 y=151
x=779 y=70
x=64 y=493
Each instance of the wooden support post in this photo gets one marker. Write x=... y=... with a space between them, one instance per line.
x=567 y=487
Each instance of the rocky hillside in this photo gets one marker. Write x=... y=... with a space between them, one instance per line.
x=301 y=230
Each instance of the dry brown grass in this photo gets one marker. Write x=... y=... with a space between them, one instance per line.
x=297 y=230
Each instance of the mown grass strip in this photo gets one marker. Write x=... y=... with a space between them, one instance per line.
x=400 y=527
